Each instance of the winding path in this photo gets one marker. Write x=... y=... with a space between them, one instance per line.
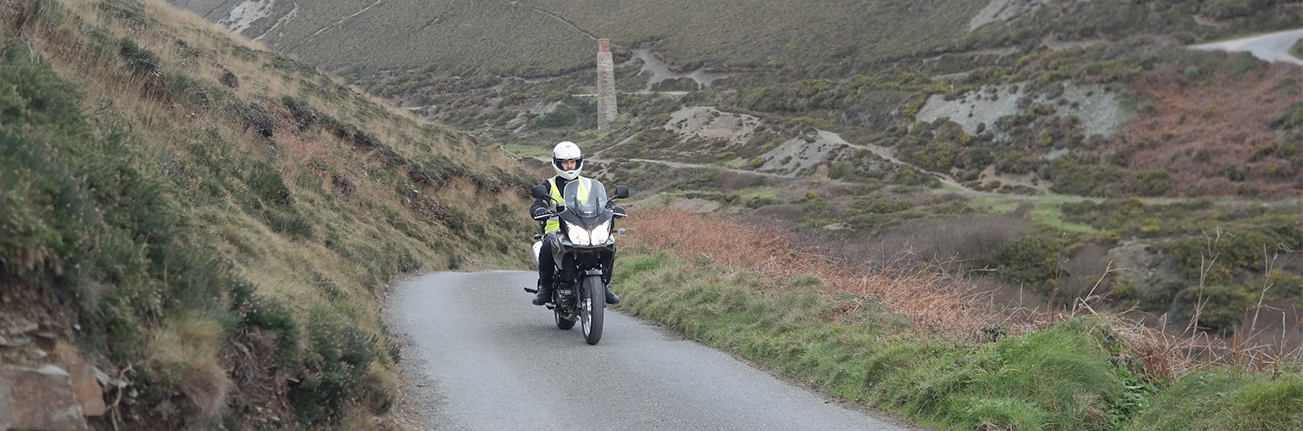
x=556 y=17
x=341 y=21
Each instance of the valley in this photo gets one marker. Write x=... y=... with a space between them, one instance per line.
x=972 y=215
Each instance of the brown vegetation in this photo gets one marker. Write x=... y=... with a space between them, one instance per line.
x=947 y=305
x=936 y=302
x=1205 y=130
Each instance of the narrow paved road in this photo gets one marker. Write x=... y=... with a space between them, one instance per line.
x=1269 y=47
x=486 y=359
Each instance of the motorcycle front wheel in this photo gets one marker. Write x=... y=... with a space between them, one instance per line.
x=591 y=307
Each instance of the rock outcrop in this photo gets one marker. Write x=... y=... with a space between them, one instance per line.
x=38 y=399
x=46 y=384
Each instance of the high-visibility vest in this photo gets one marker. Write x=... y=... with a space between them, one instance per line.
x=554 y=223
x=585 y=184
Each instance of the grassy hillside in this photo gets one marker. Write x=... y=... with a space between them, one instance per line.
x=219 y=221
x=822 y=39
x=460 y=36
x=863 y=69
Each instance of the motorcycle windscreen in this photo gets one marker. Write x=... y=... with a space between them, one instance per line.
x=585 y=197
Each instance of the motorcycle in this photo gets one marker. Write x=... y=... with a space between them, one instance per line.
x=584 y=252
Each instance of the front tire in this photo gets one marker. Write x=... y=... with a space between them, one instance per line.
x=592 y=307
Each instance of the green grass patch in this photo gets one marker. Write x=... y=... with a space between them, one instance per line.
x=994 y=204
x=1066 y=377
x=768 y=192
x=951 y=187
x=1049 y=213
x=1223 y=400
x=525 y=150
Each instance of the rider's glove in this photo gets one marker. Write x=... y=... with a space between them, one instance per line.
x=617 y=211
x=540 y=213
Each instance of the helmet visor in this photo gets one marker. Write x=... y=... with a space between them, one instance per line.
x=568 y=164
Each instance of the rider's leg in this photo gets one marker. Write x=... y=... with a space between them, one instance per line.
x=610 y=296
x=545 y=277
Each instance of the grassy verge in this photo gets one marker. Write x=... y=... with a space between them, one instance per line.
x=1071 y=376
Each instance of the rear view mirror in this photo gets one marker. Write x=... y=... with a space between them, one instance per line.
x=539 y=192
x=621 y=192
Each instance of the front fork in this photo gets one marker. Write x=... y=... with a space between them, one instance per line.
x=570 y=296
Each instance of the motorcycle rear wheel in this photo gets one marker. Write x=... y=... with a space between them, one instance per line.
x=591 y=308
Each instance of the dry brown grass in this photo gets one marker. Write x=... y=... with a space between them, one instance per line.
x=1169 y=353
x=1197 y=128
x=941 y=304
x=935 y=302
x=188 y=348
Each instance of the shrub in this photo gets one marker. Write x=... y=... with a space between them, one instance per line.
x=182 y=88
x=966 y=238
x=1070 y=176
x=841 y=170
x=266 y=183
x=229 y=79
x=1032 y=260
x=1237 y=172
x=1291 y=119
x=335 y=366
x=303 y=113
x=130 y=11
x=563 y=116
x=1153 y=183
x=142 y=61
x=254 y=116
x=1241 y=63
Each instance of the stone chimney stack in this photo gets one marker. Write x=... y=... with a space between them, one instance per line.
x=606 y=108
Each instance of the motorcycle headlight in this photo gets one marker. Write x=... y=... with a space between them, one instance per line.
x=578 y=235
x=601 y=233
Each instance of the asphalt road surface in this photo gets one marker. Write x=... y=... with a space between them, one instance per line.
x=1270 y=47
x=485 y=359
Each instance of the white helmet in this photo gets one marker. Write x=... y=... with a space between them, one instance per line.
x=567 y=151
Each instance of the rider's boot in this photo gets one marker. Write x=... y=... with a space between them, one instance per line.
x=544 y=293
x=610 y=297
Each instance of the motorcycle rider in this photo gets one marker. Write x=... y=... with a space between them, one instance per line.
x=567 y=161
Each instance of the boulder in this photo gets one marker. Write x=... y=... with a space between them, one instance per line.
x=84 y=384
x=39 y=399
